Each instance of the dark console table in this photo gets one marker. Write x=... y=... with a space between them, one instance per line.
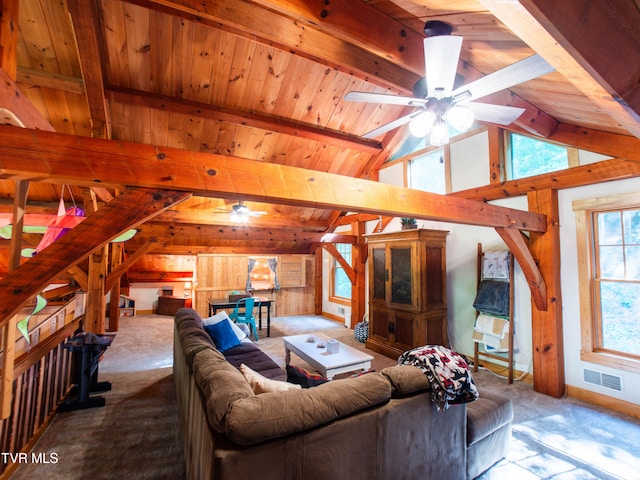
x=168 y=305
x=87 y=348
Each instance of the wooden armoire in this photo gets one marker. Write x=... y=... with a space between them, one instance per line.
x=407 y=290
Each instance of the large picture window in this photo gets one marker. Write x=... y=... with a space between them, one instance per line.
x=340 y=284
x=609 y=254
x=427 y=172
x=530 y=156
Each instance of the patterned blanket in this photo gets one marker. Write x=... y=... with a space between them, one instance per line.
x=447 y=372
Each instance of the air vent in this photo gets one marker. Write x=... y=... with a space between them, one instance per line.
x=606 y=380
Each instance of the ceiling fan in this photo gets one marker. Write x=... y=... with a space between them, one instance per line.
x=441 y=104
x=240 y=213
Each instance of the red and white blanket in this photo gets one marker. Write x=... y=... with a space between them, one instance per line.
x=447 y=372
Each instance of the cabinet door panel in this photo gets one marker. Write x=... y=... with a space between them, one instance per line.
x=401 y=276
x=379 y=274
x=435 y=291
x=404 y=329
x=379 y=323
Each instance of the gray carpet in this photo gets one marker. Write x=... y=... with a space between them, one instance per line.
x=136 y=435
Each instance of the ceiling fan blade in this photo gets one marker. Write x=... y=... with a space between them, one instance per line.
x=500 y=114
x=257 y=213
x=391 y=125
x=527 y=69
x=383 y=98
x=441 y=55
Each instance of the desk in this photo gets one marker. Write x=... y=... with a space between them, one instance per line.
x=216 y=304
x=168 y=305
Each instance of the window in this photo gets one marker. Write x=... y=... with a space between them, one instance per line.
x=609 y=254
x=529 y=156
x=341 y=285
x=426 y=172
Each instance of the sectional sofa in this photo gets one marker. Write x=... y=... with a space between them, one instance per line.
x=380 y=425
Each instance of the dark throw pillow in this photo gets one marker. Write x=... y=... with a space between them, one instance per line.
x=305 y=379
x=223 y=335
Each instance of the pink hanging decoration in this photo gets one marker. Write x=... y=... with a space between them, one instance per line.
x=64 y=222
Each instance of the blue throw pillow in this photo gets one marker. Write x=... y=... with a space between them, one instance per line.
x=223 y=335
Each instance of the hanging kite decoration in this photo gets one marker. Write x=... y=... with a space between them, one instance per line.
x=23 y=325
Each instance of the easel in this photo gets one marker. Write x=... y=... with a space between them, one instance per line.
x=476 y=350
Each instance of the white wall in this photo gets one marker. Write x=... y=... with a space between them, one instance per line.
x=571 y=296
x=146 y=294
x=469 y=169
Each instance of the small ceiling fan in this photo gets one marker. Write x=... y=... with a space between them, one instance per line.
x=440 y=103
x=240 y=213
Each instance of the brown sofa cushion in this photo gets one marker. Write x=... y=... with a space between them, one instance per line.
x=221 y=384
x=191 y=334
x=256 y=359
x=487 y=414
x=262 y=417
x=406 y=379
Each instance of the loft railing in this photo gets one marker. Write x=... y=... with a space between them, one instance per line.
x=42 y=378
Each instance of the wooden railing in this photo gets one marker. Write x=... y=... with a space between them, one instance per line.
x=42 y=378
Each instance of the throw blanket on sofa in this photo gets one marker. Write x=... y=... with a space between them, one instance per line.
x=447 y=372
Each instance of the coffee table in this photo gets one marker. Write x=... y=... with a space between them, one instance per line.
x=346 y=359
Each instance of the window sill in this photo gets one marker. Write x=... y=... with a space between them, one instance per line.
x=340 y=300
x=611 y=360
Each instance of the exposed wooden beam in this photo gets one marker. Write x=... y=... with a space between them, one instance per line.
x=84 y=17
x=520 y=250
x=246 y=19
x=80 y=276
x=352 y=37
x=61 y=158
x=17 y=287
x=19 y=201
x=248 y=118
x=114 y=277
x=546 y=325
x=598 y=141
x=604 y=171
x=169 y=249
x=587 y=44
x=39 y=78
x=199 y=233
x=333 y=251
x=181 y=215
x=9 y=36
x=20 y=108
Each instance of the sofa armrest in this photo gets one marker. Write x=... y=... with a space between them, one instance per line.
x=406 y=380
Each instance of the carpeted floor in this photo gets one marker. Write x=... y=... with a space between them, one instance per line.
x=136 y=435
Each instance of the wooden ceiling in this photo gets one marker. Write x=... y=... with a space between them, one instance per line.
x=264 y=80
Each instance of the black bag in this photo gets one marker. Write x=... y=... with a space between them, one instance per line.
x=361 y=330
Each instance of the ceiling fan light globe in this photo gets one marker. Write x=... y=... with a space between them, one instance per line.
x=439 y=134
x=238 y=217
x=460 y=118
x=421 y=124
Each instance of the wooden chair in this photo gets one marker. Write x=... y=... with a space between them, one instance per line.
x=246 y=316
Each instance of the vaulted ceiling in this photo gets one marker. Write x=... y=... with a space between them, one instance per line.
x=265 y=80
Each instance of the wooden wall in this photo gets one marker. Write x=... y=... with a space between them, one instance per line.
x=216 y=275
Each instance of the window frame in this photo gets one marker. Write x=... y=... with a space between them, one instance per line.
x=572 y=156
x=589 y=303
x=335 y=265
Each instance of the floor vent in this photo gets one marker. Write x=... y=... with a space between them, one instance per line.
x=612 y=382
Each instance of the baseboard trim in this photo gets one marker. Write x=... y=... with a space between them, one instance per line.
x=605 y=401
x=589 y=396
x=333 y=317
x=502 y=370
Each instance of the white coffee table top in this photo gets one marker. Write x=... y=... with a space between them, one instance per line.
x=329 y=364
